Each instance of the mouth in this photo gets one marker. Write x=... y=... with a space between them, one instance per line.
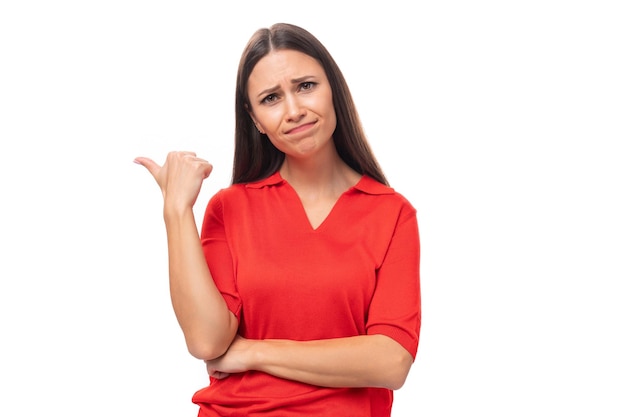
x=301 y=128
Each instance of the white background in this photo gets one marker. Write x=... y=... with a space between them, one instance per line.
x=502 y=122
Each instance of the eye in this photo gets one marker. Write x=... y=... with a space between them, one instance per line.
x=307 y=85
x=269 y=99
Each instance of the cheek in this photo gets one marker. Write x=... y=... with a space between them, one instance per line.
x=332 y=112
x=328 y=105
x=269 y=119
x=331 y=115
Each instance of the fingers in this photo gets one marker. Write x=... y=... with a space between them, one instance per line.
x=202 y=165
x=219 y=375
x=205 y=167
x=149 y=164
x=214 y=373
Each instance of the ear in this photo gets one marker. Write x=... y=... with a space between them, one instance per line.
x=256 y=123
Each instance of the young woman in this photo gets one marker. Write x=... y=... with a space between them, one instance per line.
x=301 y=292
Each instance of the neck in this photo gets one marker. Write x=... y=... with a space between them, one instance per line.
x=319 y=176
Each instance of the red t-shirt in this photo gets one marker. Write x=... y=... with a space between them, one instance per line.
x=355 y=274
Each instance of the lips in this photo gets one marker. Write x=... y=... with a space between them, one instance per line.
x=300 y=128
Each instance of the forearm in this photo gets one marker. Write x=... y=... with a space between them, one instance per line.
x=206 y=322
x=360 y=361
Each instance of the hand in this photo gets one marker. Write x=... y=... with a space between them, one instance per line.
x=235 y=360
x=180 y=178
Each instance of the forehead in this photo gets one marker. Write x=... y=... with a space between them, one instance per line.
x=283 y=65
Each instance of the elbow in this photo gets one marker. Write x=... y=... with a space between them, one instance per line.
x=399 y=362
x=397 y=382
x=205 y=352
x=207 y=346
x=399 y=374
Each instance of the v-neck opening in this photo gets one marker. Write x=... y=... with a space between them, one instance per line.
x=328 y=215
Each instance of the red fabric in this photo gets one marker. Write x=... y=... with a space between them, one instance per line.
x=357 y=273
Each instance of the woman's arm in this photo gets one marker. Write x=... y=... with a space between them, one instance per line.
x=358 y=361
x=207 y=324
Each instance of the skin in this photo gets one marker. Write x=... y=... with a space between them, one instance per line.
x=291 y=102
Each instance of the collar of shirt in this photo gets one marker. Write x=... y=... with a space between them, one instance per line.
x=366 y=184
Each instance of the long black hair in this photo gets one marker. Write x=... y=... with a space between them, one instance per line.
x=255 y=156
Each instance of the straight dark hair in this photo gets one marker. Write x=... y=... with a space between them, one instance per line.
x=255 y=156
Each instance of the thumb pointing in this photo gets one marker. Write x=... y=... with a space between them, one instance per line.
x=149 y=164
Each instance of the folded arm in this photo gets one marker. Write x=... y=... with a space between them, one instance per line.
x=358 y=361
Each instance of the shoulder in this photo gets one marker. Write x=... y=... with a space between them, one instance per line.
x=236 y=192
x=384 y=194
x=226 y=197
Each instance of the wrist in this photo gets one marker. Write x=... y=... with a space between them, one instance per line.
x=173 y=212
x=254 y=358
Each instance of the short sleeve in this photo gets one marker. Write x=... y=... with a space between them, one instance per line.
x=395 y=309
x=218 y=254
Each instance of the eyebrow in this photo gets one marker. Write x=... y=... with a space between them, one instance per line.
x=293 y=81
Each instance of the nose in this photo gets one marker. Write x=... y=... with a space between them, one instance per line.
x=294 y=110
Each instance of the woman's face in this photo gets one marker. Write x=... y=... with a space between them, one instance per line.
x=291 y=102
